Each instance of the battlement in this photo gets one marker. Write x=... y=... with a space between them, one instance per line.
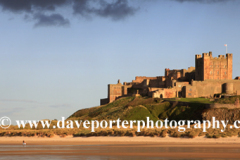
x=190 y=68
x=140 y=77
x=221 y=56
x=198 y=56
x=207 y=54
x=144 y=77
x=210 y=53
x=229 y=55
x=173 y=70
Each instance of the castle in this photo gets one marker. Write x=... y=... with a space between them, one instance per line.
x=211 y=75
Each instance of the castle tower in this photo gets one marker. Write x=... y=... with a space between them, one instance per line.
x=215 y=68
x=229 y=65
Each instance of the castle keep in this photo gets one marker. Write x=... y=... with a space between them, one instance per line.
x=211 y=75
x=208 y=67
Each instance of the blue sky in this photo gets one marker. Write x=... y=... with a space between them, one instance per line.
x=58 y=57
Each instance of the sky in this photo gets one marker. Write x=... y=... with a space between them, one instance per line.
x=57 y=56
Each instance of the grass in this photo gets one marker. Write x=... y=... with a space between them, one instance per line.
x=157 y=109
x=227 y=100
x=191 y=100
x=129 y=108
x=139 y=113
x=188 y=112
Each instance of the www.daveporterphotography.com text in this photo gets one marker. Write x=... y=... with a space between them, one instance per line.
x=181 y=125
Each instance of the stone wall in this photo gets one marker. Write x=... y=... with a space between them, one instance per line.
x=125 y=89
x=104 y=101
x=179 y=74
x=163 y=93
x=189 y=91
x=156 y=83
x=208 y=88
x=175 y=74
x=140 y=79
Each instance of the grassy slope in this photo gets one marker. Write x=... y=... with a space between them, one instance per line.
x=192 y=100
x=130 y=108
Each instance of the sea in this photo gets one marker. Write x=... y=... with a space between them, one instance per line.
x=107 y=152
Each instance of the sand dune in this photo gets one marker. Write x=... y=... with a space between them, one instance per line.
x=70 y=140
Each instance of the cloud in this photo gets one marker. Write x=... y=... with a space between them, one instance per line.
x=11 y=111
x=18 y=100
x=31 y=5
x=61 y=106
x=116 y=10
x=47 y=12
x=50 y=20
x=203 y=1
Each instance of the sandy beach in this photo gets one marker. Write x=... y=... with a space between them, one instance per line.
x=169 y=147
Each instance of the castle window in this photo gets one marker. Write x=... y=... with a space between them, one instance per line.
x=190 y=94
x=190 y=89
x=210 y=72
x=218 y=72
x=225 y=73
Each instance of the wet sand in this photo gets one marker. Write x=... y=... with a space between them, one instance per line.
x=200 y=147
x=126 y=154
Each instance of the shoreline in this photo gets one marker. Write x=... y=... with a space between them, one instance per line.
x=121 y=147
x=70 y=140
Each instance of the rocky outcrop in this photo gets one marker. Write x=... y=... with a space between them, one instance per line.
x=222 y=114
